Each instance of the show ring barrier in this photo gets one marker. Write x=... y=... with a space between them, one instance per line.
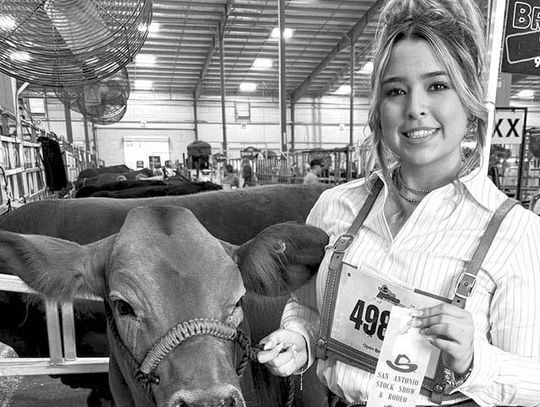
x=61 y=335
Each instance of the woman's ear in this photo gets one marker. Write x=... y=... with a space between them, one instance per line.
x=281 y=258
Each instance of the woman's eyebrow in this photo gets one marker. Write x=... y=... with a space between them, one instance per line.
x=426 y=75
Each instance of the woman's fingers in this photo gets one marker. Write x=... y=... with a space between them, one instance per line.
x=450 y=329
x=284 y=352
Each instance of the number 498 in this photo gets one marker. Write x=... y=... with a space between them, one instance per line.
x=371 y=321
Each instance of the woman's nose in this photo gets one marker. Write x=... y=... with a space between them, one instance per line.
x=417 y=105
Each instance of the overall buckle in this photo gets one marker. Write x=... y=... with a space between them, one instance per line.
x=465 y=285
x=342 y=243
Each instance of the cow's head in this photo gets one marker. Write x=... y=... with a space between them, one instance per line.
x=163 y=269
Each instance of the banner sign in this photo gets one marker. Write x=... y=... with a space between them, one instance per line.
x=509 y=126
x=521 y=48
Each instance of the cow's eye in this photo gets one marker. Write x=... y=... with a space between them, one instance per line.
x=123 y=308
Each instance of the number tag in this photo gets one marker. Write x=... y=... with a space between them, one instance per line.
x=362 y=310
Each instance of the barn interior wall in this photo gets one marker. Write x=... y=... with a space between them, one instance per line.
x=319 y=123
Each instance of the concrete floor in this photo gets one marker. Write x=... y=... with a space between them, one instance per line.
x=41 y=391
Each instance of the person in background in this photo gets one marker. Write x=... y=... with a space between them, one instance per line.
x=425 y=224
x=247 y=174
x=315 y=169
x=230 y=178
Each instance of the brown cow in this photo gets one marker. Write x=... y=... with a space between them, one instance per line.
x=174 y=298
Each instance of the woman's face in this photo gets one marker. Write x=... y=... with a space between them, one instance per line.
x=422 y=118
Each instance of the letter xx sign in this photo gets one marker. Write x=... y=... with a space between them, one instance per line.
x=509 y=125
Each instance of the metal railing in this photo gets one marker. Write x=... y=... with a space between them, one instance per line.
x=61 y=336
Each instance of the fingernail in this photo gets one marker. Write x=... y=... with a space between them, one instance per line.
x=414 y=322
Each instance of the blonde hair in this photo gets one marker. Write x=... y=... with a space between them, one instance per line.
x=454 y=29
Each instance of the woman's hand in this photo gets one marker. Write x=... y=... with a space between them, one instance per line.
x=284 y=353
x=450 y=329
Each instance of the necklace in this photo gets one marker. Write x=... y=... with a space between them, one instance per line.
x=408 y=199
x=396 y=178
x=408 y=188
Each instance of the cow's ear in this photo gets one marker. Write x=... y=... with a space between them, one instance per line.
x=56 y=268
x=281 y=258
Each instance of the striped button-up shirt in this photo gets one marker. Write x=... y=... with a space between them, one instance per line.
x=429 y=252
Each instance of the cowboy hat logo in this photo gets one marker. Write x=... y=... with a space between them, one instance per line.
x=402 y=364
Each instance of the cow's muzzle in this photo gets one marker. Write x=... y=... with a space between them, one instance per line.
x=217 y=396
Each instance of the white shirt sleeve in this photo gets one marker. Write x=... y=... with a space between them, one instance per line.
x=301 y=313
x=507 y=370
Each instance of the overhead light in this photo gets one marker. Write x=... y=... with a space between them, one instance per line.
x=20 y=56
x=525 y=94
x=142 y=84
x=343 y=90
x=262 y=63
x=367 y=68
x=248 y=87
x=287 y=33
x=7 y=23
x=153 y=28
x=145 y=59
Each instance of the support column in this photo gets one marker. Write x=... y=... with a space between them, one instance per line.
x=351 y=115
x=293 y=105
x=86 y=135
x=222 y=72
x=495 y=38
x=282 y=77
x=69 y=128
x=195 y=118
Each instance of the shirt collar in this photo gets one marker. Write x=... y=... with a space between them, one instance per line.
x=482 y=189
x=476 y=183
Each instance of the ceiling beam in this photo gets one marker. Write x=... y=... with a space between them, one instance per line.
x=215 y=44
x=351 y=37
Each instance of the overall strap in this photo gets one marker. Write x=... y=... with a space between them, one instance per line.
x=467 y=279
x=335 y=265
x=466 y=282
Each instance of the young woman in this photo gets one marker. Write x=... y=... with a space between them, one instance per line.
x=426 y=222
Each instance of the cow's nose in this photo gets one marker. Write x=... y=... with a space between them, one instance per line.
x=219 y=396
x=229 y=402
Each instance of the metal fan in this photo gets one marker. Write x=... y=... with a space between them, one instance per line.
x=102 y=102
x=70 y=42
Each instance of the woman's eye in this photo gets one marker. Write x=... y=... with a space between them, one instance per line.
x=394 y=92
x=123 y=308
x=439 y=86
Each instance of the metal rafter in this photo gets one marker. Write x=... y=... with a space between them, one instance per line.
x=215 y=43
x=351 y=37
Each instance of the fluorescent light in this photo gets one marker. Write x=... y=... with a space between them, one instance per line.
x=7 y=23
x=143 y=84
x=287 y=33
x=262 y=63
x=20 y=56
x=248 y=87
x=367 y=68
x=526 y=94
x=145 y=59
x=153 y=28
x=343 y=90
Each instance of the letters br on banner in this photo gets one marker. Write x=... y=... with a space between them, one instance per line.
x=509 y=125
x=521 y=48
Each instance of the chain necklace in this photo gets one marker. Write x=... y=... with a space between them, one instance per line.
x=408 y=188
x=398 y=182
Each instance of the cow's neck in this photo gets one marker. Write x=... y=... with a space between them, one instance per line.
x=127 y=365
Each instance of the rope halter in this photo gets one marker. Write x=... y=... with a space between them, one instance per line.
x=181 y=332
